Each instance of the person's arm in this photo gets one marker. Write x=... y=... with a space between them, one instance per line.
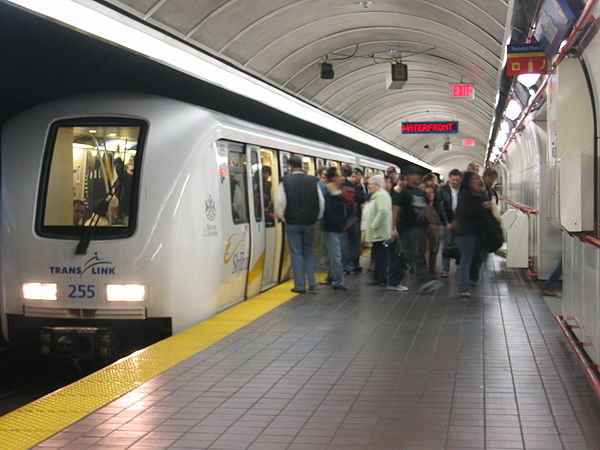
x=321 y=203
x=395 y=214
x=280 y=203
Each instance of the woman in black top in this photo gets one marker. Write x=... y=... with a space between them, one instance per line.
x=470 y=215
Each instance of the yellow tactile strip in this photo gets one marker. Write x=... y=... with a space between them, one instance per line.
x=32 y=423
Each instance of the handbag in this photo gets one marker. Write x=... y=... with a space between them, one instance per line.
x=451 y=251
x=493 y=238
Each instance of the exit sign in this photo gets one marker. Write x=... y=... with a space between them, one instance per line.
x=469 y=142
x=466 y=91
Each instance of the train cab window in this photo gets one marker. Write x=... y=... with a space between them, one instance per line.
x=256 y=194
x=284 y=161
x=90 y=178
x=238 y=184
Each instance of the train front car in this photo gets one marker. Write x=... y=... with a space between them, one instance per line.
x=103 y=237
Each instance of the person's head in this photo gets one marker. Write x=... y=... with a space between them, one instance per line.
x=321 y=175
x=489 y=177
x=295 y=162
x=471 y=181
x=346 y=171
x=413 y=176
x=78 y=211
x=473 y=167
x=333 y=176
x=430 y=192
x=454 y=178
x=376 y=182
x=266 y=172
x=358 y=175
x=392 y=173
x=389 y=183
x=401 y=183
x=430 y=179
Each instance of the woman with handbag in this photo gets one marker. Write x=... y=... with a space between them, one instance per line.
x=471 y=216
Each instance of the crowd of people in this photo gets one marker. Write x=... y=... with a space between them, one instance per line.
x=403 y=218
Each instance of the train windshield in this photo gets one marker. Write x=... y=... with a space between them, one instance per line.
x=91 y=178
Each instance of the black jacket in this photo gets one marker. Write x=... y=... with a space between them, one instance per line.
x=334 y=217
x=302 y=199
x=445 y=195
x=470 y=213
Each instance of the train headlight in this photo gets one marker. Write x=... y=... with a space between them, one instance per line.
x=125 y=292
x=40 y=291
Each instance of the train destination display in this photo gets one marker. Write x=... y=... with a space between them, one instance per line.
x=429 y=127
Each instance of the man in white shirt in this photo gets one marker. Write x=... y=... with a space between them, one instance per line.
x=449 y=199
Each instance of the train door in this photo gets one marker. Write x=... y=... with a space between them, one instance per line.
x=273 y=226
x=235 y=221
x=256 y=223
x=285 y=271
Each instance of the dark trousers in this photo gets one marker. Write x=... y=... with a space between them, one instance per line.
x=380 y=256
x=554 y=278
x=351 y=251
x=411 y=251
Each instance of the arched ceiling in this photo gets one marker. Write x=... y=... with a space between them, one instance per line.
x=283 y=41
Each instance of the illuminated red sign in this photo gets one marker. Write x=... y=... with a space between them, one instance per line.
x=429 y=127
x=468 y=142
x=462 y=91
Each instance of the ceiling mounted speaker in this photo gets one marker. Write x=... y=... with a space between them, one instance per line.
x=397 y=76
x=326 y=71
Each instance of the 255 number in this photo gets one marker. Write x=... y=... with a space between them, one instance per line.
x=82 y=291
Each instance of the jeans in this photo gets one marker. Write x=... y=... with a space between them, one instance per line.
x=470 y=249
x=380 y=256
x=333 y=243
x=302 y=248
x=447 y=239
x=410 y=251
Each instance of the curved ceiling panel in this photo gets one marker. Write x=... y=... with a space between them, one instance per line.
x=284 y=41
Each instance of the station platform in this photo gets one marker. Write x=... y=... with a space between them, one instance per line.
x=363 y=369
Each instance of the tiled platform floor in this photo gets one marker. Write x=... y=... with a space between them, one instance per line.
x=369 y=369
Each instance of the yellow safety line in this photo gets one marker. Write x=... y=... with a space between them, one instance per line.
x=37 y=421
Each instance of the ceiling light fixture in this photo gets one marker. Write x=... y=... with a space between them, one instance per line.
x=97 y=20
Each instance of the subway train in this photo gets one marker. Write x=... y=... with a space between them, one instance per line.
x=133 y=215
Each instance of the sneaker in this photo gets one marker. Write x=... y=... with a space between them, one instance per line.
x=465 y=294
x=341 y=287
x=444 y=275
x=325 y=282
x=549 y=293
x=298 y=291
x=430 y=286
x=397 y=288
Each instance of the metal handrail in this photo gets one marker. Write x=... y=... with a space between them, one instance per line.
x=521 y=207
x=589 y=369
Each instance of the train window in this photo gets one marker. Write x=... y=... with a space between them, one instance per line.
x=90 y=178
x=284 y=160
x=238 y=183
x=256 y=174
x=268 y=159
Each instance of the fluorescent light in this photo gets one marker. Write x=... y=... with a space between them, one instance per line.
x=513 y=110
x=125 y=292
x=528 y=79
x=93 y=131
x=501 y=139
x=102 y=22
x=40 y=291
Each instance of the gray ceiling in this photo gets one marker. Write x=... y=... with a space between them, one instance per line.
x=284 y=41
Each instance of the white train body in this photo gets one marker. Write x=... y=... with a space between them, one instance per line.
x=183 y=247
